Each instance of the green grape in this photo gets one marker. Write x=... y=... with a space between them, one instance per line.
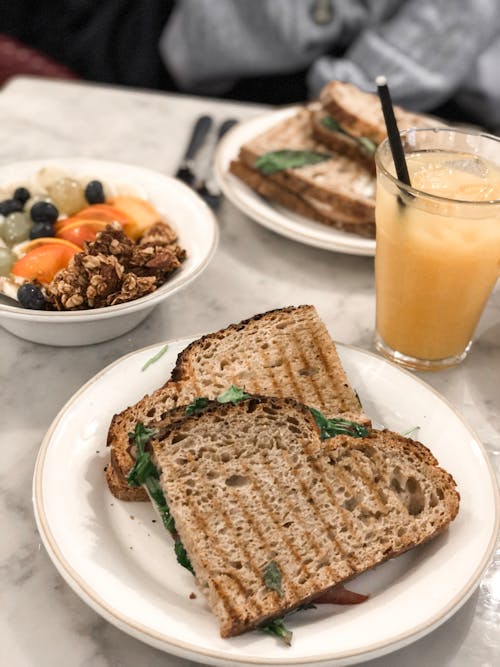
x=67 y=195
x=16 y=228
x=7 y=259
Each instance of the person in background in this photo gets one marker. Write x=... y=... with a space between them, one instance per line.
x=439 y=56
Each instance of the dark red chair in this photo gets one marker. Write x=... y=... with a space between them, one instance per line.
x=17 y=59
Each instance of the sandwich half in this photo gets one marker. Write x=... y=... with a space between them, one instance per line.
x=270 y=513
x=351 y=121
x=287 y=164
x=285 y=353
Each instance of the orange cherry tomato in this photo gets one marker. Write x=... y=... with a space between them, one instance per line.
x=43 y=262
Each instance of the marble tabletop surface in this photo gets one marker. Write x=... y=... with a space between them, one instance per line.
x=42 y=622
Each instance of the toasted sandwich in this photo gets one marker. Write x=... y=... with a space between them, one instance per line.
x=320 y=163
x=269 y=512
x=284 y=353
x=287 y=164
x=350 y=121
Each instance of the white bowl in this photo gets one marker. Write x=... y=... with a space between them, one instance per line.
x=179 y=205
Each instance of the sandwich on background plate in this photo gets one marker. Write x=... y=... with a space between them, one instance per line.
x=320 y=161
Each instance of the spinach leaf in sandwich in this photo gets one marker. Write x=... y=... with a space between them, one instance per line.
x=271 y=575
x=197 y=405
x=273 y=161
x=232 y=395
x=145 y=473
x=338 y=426
x=143 y=467
x=278 y=629
x=367 y=145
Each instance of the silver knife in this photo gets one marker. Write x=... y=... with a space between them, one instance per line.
x=208 y=188
x=201 y=128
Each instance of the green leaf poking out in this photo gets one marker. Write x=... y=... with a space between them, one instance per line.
x=277 y=628
x=337 y=426
x=232 y=395
x=272 y=577
x=197 y=405
x=143 y=467
x=182 y=557
x=274 y=161
x=368 y=145
x=364 y=143
x=330 y=124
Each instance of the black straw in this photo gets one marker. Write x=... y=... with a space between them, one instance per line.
x=393 y=135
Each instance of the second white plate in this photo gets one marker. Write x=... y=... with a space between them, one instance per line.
x=120 y=560
x=273 y=216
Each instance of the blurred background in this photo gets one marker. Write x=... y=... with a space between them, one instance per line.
x=440 y=56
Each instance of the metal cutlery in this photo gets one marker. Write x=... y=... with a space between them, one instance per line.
x=207 y=187
x=186 y=172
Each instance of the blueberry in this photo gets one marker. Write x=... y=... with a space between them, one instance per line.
x=8 y=206
x=22 y=195
x=40 y=229
x=31 y=296
x=44 y=211
x=94 y=193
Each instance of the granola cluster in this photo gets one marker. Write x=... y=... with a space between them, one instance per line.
x=114 y=269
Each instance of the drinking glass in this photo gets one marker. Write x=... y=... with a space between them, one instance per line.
x=438 y=247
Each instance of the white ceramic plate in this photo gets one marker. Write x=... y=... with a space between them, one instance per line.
x=278 y=218
x=179 y=205
x=122 y=563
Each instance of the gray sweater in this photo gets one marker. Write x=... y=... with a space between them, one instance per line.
x=430 y=50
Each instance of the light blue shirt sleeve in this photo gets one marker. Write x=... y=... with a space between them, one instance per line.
x=426 y=48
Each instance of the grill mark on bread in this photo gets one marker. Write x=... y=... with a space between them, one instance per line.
x=368 y=482
x=203 y=527
x=298 y=391
x=309 y=536
x=344 y=513
x=291 y=548
x=311 y=378
x=326 y=524
x=327 y=362
x=220 y=430
x=303 y=328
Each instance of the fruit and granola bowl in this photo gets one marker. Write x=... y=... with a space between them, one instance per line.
x=88 y=248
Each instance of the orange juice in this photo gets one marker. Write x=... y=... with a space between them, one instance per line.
x=437 y=256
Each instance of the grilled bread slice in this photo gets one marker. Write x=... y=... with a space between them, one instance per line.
x=309 y=207
x=345 y=186
x=285 y=352
x=360 y=114
x=340 y=142
x=252 y=486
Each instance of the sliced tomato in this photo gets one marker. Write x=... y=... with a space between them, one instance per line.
x=340 y=595
x=44 y=261
x=79 y=231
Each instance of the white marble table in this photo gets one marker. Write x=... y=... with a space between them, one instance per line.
x=42 y=622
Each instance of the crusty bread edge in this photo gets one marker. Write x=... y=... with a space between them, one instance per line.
x=289 y=199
